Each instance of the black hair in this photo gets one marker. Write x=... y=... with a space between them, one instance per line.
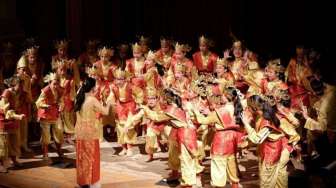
x=268 y=111
x=173 y=98
x=281 y=76
x=317 y=86
x=238 y=108
x=285 y=102
x=257 y=100
x=160 y=69
x=87 y=86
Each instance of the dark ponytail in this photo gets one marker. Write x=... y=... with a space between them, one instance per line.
x=238 y=108
x=269 y=113
x=87 y=85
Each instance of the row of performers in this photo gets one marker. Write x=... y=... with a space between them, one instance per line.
x=188 y=120
x=132 y=94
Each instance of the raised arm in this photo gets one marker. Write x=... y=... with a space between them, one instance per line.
x=255 y=137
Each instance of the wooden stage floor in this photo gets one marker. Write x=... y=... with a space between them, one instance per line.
x=116 y=171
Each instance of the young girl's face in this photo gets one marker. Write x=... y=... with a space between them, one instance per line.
x=179 y=54
x=137 y=54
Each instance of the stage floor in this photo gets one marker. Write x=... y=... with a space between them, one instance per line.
x=116 y=171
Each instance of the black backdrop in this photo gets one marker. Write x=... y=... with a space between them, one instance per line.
x=267 y=27
x=263 y=24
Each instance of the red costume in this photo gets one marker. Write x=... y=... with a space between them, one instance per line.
x=205 y=64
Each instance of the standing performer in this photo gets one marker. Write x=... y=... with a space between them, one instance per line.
x=224 y=76
x=48 y=108
x=226 y=119
x=62 y=56
x=186 y=137
x=125 y=106
x=154 y=117
x=67 y=115
x=35 y=70
x=9 y=125
x=103 y=73
x=298 y=71
x=156 y=124
x=25 y=105
x=239 y=66
x=144 y=42
x=87 y=135
x=205 y=60
x=273 y=139
x=321 y=118
x=123 y=55
x=163 y=56
x=136 y=67
x=180 y=64
x=89 y=57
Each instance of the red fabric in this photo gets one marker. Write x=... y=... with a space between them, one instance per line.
x=7 y=124
x=187 y=137
x=226 y=142
x=68 y=102
x=130 y=66
x=51 y=113
x=122 y=109
x=199 y=64
x=138 y=81
x=109 y=76
x=128 y=97
x=187 y=63
x=270 y=151
x=298 y=94
x=87 y=161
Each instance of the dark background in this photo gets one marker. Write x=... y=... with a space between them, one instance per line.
x=267 y=27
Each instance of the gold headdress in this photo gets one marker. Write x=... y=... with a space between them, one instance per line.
x=136 y=47
x=182 y=47
x=281 y=92
x=50 y=77
x=144 y=40
x=105 y=51
x=199 y=87
x=203 y=40
x=221 y=61
x=61 y=44
x=31 y=51
x=275 y=65
x=119 y=74
x=151 y=92
x=150 y=55
x=22 y=63
x=165 y=41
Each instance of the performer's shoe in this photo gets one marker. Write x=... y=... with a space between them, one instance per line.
x=123 y=152
x=129 y=153
x=45 y=152
x=150 y=158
